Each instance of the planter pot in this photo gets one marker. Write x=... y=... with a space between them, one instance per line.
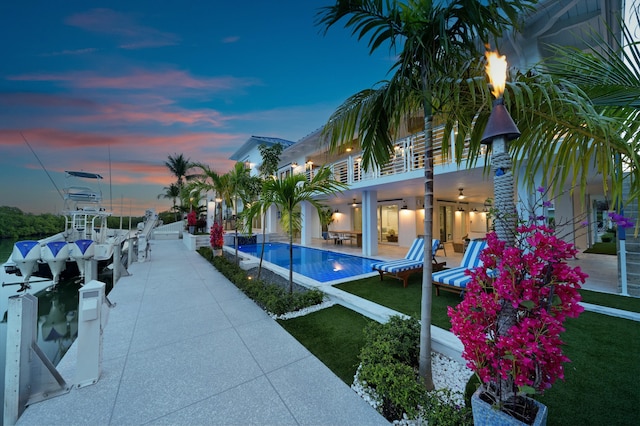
x=192 y=229
x=217 y=252
x=484 y=414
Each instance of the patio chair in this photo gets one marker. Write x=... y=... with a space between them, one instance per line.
x=455 y=280
x=344 y=237
x=401 y=269
x=334 y=237
x=437 y=266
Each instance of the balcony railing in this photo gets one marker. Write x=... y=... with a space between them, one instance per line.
x=408 y=156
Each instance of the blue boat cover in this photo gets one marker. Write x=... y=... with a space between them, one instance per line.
x=83 y=245
x=25 y=246
x=56 y=246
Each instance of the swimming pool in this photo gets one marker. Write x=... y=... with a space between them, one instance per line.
x=319 y=265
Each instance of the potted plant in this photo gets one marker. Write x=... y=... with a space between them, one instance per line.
x=326 y=219
x=511 y=319
x=192 y=220
x=217 y=239
x=391 y=236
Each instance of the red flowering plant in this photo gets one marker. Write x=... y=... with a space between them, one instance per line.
x=513 y=312
x=192 y=218
x=216 y=234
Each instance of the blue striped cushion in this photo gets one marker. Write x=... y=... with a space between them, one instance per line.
x=395 y=266
x=455 y=277
x=416 y=252
x=434 y=248
x=471 y=258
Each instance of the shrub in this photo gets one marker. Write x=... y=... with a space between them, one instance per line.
x=270 y=297
x=439 y=410
x=389 y=365
x=216 y=238
x=192 y=218
x=607 y=237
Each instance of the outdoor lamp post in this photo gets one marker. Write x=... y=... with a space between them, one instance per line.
x=501 y=129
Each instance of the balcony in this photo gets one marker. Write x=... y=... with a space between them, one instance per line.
x=408 y=156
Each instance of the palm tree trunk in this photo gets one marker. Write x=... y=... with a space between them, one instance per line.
x=264 y=232
x=290 y=251
x=235 y=209
x=425 y=306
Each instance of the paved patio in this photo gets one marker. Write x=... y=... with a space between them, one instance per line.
x=184 y=346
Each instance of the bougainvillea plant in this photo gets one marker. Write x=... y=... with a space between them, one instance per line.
x=192 y=218
x=216 y=234
x=513 y=312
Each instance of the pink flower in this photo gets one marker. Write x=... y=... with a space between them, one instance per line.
x=533 y=279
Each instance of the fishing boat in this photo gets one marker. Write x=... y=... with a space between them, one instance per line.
x=86 y=236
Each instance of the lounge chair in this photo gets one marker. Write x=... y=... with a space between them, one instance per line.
x=455 y=280
x=401 y=269
x=437 y=266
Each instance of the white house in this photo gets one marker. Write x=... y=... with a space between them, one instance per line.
x=385 y=204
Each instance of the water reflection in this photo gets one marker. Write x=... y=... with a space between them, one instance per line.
x=57 y=320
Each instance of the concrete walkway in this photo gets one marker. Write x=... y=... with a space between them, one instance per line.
x=184 y=346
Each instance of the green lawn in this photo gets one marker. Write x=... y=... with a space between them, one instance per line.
x=603 y=248
x=391 y=294
x=611 y=300
x=334 y=335
x=600 y=381
x=600 y=386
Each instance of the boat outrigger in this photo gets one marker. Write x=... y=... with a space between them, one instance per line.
x=85 y=237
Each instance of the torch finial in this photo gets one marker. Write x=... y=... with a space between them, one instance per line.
x=497 y=72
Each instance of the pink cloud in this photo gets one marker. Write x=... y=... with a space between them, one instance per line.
x=139 y=150
x=230 y=39
x=45 y=100
x=135 y=113
x=130 y=34
x=55 y=138
x=139 y=109
x=139 y=79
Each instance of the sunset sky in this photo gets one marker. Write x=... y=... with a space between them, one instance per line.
x=137 y=81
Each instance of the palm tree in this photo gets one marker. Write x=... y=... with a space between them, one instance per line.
x=436 y=40
x=290 y=192
x=171 y=192
x=261 y=205
x=179 y=167
x=210 y=180
x=238 y=182
x=269 y=167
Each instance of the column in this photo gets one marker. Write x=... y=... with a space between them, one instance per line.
x=369 y=223
x=307 y=212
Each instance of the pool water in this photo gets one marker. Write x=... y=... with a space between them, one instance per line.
x=319 y=265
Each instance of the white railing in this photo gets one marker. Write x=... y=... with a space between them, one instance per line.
x=408 y=155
